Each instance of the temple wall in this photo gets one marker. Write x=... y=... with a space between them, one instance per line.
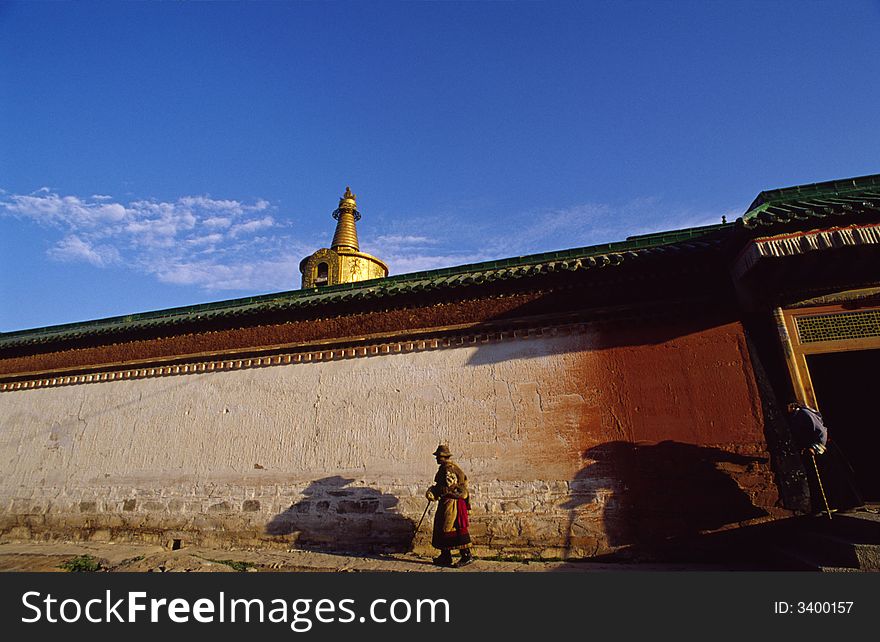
x=575 y=444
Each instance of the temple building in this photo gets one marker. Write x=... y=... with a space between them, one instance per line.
x=600 y=398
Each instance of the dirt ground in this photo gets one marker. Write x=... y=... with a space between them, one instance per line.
x=144 y=558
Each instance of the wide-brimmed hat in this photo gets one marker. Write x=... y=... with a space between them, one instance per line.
x=442 y=451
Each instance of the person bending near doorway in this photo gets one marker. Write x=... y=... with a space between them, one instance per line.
x=811 y=435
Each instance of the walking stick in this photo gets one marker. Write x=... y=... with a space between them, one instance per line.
x=423 y=516
x=821 y=488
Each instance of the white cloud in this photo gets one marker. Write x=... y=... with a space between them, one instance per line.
x=72 y=248
x=208 y=239
x=465 y=238
x=217 y=221
x=413 y=252
x=193 y=240
x=404 y=239
x=67 y=211
x=214 y=276
x=403 y=263
x=252 y=226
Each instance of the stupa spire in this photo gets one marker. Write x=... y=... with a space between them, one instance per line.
x=343 y=261
x=346 y=215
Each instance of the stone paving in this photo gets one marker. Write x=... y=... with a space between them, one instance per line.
x=129 y=557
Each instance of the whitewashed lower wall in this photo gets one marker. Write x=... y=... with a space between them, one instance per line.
x=230 y=451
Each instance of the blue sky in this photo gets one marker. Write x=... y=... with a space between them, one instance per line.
x=156 y=155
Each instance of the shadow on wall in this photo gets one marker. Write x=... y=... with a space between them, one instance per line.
x=336 y=517
x=661 y=492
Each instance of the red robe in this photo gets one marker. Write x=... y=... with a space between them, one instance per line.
x=451 y=520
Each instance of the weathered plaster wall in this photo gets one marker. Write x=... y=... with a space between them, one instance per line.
x=573 y=443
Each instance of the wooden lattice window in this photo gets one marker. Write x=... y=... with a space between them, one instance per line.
x=838 y=327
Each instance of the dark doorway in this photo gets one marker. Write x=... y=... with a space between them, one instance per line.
x=323 y=274
x=847 y=390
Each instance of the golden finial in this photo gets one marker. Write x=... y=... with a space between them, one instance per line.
x=348 y=199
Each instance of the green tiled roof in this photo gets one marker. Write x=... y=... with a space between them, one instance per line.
x=585 y=258
x=815 y=201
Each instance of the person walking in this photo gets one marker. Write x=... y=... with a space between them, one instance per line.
x=450 y=490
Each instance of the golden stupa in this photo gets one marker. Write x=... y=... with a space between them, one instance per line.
x=342 y=262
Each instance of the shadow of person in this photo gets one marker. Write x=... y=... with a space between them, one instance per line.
x=336 y=517
x=655 y=494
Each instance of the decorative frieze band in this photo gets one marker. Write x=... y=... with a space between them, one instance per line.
x=300 y=356
x=803 y=242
